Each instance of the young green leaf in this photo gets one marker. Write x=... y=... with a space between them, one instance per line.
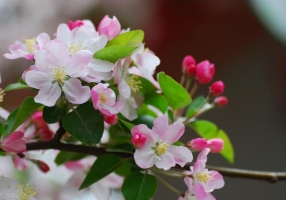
x=85 y=124
x=146 y=86
x=157 y=100
x=127 y=124
x=53 y=114
x=209 y=130
x=103 y=166
x=15 y=86
x=1 y=129
x=113 y=53
x=65 y=156
x=138 y=186
x=176 y=94
x=21 y=114
x=127 y=39
x=195 y=105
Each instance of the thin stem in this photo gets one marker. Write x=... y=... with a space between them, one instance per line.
x=188 y=83
x=60 y=132
x=167 y=184
x=194 y=89
x=182 y=79
x=170 y=173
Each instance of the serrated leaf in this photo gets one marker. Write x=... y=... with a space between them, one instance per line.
x=157 y=100
x=128 y=38
x=138 y=186
x=176 y=94
x=65 y=156
x=195 y=105
x=113 y=53
x=103 y=166
x=53 y=114
x=85 y=124
x=19 y=115
x=15 y=86
x=209 y=130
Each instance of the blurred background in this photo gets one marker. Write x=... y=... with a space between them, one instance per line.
x=245 y=39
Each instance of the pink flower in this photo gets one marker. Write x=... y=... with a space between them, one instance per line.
x=217 y=88
x=27 y=50
x=220 y=101
x=56 y=71
x=112 y=119
x=14 y=143
x=74 y=24
x=189 y=65
x=215 y=145
x=205 y=72
x=138 y=140
x=205 y=181
x=109 y=27
x=198 y=144
x=103 y=99
x=158 y=149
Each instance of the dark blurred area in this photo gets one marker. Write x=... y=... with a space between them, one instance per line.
x=248 y=54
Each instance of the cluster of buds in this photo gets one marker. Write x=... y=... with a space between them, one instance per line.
x=215 y=145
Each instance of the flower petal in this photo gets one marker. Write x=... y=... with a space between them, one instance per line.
x=145 y=157
x=42 y=40
x=64 y=34
x=38 y=79
x=160 y=125
x=216 y=181
x=181 y=154
x=101 y=65
x=48 y=94
x=124 y=89
x=151 y=137
x=8 y=187
x=165 y=161
x=173 y=132
x=14 y=143
x=78 y=64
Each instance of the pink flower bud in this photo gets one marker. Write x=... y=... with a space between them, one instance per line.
x=198 y=144
x=205 y=72
x=109 y=27
x=138 y=140
x=220 y=101
x=110 y=119
x=217 y=88
x=14 y=143
x=37 y=119
x=77 y=23
x=189 y=65
x=43 y=166
x=216 y=145
x=45 y=134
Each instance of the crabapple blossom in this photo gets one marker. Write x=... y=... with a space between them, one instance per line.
x=109 y=27
x=215 y=145
x=27 y=50
x=220 y=101
x=205 y=181
x=217 y=88
x=56 y=71
x=198 y=144
x=205 y=72
x=189 y=65
x=158 y=149
x=103 y=99
x=14 y=143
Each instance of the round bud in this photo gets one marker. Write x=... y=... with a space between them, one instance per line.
x=189 y=65
x=220 y=101
x=43 y=166
x=197 y=144
x=138 y=140
x=205 y=72
x=216 y=145
x=110 y=119
x=217 y=88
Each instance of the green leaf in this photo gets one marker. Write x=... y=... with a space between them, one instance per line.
x=209 y=130
x=178 y=143
x=22 y=81
x=157 y=100
x=128 y=38
x=65 y=156
x=176 y=94
x=145 y=110
x=195 y=105
x=124 y=169
x=85 y=124
x=21 y=114
x=126 y=148
x=113 y=53
x=103 y=166
x=127 y=124
x=138 y=186
x=15 y=86
x=144 y=119
x=1 y=129
x=53 y=114
x=146 y=86
x=170 y=115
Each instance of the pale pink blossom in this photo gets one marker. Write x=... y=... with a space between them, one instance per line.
x=103 y=99
x=109 y=27
x=215 y=145
x=56 y=72
x=14 y=143
x=158 y=149
x=27 y=50
x=205 y=181
x=129 y=109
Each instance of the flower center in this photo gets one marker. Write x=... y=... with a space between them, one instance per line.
x=26 y=192
x=134 y=83
x=161 y=148
x=203 y=176
x=30 y=45
x=76 y=46
x=1 y=95
x=59 y=74
x=102 y=98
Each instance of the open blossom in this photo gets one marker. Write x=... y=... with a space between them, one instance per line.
x=27 y=50
x=56 y=71
x=158 y=149
x=14 y=143
x=103 y=99
x=109 y=27
x=205 y=181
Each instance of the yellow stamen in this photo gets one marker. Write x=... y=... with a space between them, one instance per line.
x=30 y=45
x=102 y=98
x=26 y=192
x=161 y=149
x=1 y=95
x=203 y=176
x=75 y=47
x=59 y=74
x=134 y=83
